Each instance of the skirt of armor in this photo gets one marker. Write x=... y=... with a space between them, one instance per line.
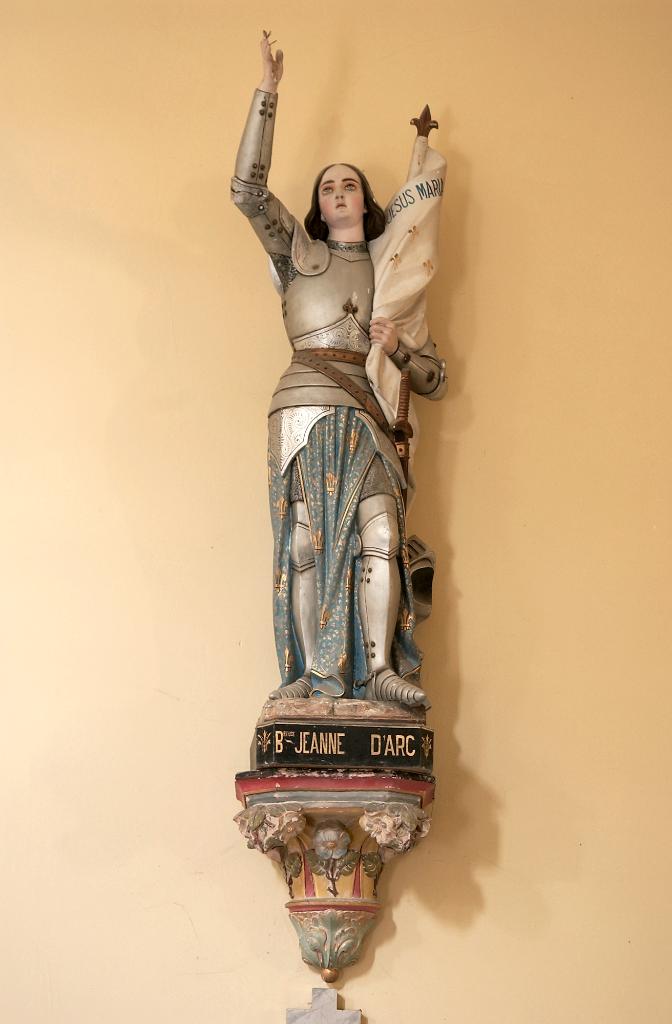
x=337 y=468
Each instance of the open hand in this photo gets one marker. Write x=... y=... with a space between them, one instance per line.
x=383 y=332
x=272 y=65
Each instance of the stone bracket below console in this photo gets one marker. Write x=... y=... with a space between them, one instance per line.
x=332 y=832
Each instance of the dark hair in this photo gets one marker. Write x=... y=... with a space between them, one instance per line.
x=374 y=218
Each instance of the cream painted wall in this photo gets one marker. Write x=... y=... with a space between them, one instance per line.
x=140 y=341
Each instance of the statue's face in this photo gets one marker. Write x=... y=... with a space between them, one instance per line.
x=341 y=197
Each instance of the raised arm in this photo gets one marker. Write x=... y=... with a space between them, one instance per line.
x=270 y=221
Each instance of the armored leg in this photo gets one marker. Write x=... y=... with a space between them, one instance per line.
x=304 y=599
x=379 y=593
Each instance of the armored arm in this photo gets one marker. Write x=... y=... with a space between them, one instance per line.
x=271 y=222
x=427 y=371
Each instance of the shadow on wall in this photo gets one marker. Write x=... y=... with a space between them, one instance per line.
x=442 y=873
x=465 y=832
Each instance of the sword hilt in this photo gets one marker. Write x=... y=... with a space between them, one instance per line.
x=404 y=396
x=401 y=427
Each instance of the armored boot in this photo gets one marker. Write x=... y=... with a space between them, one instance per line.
x=379 y=593
x=303 y=598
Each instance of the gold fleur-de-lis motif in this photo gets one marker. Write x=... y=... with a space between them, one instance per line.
x=352 y=444
x=282 y=506
x=404 y=556
x=289 y=660
x=264 y=741
x=280 y=582
x=428 y=265
x=348 y=579
x=413 y=232
x=407 y=620
x=395 y=260
x=330 y=482
x=426 y=745
x=318 y=542
x=324 y=618
x=342 y=662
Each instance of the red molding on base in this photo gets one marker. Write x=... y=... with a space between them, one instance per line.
x=278 y=784
x=307 y=906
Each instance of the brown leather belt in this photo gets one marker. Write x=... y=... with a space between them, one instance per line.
x=340 y=355
x=322 y=363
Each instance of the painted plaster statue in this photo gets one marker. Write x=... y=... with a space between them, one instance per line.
x=344 y=611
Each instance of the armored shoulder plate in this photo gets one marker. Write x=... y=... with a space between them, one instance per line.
x=309 y=255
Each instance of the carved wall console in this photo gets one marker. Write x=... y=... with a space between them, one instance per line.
x=332 y=825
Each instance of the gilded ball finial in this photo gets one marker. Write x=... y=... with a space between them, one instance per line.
x=329 y=974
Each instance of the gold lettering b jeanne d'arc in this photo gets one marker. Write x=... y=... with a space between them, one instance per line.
x=328 y=743
x=392 y=745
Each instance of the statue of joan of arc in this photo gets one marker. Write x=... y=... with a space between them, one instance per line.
x=352 y=281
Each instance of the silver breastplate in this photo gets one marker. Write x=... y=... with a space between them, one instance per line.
x=332 y=309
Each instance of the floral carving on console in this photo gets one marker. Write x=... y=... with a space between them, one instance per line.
x=267 y=828
x=396 y=827
x=331 y=855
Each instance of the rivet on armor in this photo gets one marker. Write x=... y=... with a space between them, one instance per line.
x=262 y=167
x=262 y=112
x=267 y=227
x=254 y=166
x=252 y=174
x=272 y=235
x=262 y=207
x=275 y=222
